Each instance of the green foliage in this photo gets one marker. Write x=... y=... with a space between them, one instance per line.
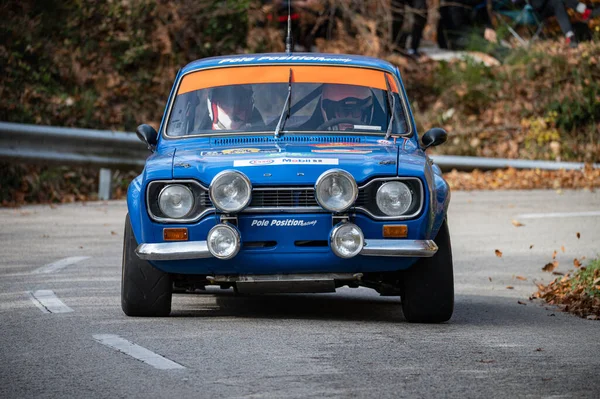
x=469 y=82
x=542 y=103
x=106 y=64
x=588 y=277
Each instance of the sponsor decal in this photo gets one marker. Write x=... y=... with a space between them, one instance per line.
x=261 y=161
x=343 y=151
x=242 y=60
x=282 y=223
x=241 y=151
x=286 y=161
x=238 y=151
x=387 y=162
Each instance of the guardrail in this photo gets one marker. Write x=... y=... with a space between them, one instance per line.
x=113 y=150
x=67 y=146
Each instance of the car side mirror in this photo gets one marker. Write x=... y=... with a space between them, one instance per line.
x=148 y=135
x=433 y=137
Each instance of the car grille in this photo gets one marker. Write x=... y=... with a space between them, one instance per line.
x=283 y=198
x=269 y=198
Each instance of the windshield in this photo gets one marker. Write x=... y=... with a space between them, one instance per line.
x=337 y=102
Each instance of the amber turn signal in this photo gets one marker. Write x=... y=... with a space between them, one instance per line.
x=395 y=231
x=175 y=234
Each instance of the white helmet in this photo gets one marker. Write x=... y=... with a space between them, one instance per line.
x=230 y=107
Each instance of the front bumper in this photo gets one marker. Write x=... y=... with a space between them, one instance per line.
x=373 y=247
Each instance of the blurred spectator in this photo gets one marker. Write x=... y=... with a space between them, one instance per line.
x=557 y=8
x=418 y=8
x=459 y=19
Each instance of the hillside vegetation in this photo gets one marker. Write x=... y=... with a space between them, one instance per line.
x=110 y=65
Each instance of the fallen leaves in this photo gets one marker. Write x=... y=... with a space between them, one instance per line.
x=510 y=287
x=578 y=235
x=498 y=253
x=513 y=179
x=516 y=223
x=521 y=303
x=576 y=263
x=577 y=293
x=521 y=278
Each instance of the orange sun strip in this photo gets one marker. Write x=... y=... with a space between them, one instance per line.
x=280 y=74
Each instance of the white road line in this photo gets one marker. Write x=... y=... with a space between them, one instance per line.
x=137 y=352
x=557 y=215
x=59 y=264
x=47 y=302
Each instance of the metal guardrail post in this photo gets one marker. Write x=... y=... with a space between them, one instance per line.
x=105 y=184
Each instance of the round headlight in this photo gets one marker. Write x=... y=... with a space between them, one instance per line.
x=336 y=190
x=230 y=191
x=223 y=241
x=175 y=201
x=346 y=240
x=394 y=198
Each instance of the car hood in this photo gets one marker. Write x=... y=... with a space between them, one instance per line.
x=279 y=164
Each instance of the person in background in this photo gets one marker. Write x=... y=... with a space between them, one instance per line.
x=419 y=8
x=558 y=8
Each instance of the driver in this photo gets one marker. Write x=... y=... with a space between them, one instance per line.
x=230 y=107
x=347 y=102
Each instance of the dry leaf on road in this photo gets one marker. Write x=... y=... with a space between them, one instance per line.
x=498 y=253
x=510 y=287
x=550 y=266
x=562 y=248
x=521 y=278
x=516 y=223
x=578 y=235
x=576 y=263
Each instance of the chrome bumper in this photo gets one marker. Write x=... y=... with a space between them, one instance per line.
x=173 y=250
x=403 y=248
x=199 y=249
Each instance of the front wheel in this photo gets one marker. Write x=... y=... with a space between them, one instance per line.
x=428 y=286
x=145 y=290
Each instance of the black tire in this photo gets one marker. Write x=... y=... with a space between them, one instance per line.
x=428 y=286
x=145 y=290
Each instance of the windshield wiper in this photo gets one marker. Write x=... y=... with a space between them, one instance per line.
x=392 y=107
x=286 y=106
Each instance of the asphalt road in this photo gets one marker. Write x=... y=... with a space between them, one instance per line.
x=353 y=343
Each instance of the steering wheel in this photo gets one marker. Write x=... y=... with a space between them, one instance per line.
x=339 y=121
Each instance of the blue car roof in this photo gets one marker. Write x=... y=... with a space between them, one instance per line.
x=293 y=58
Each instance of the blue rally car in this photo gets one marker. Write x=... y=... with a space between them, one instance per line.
x=288 y=173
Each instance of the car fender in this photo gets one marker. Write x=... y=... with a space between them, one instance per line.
x=439 y=199
x=136 y=205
